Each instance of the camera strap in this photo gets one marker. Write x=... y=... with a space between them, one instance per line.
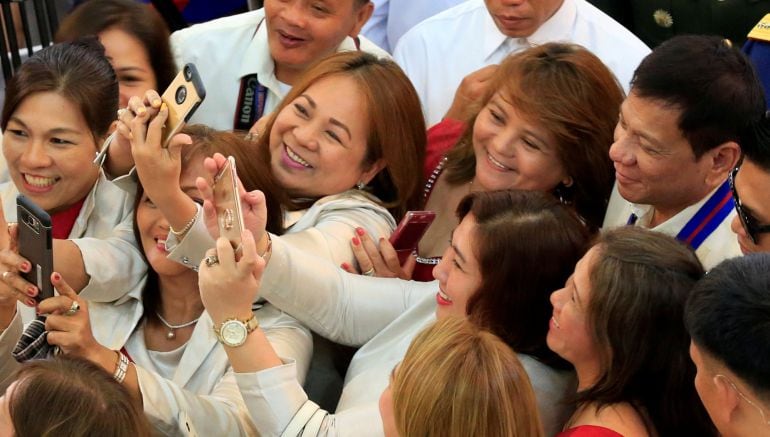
x=251 y=102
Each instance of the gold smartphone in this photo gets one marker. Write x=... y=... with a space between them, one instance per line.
x=228 y=204
x=182 y=98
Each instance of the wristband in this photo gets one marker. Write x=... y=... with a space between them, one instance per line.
x=121 y=369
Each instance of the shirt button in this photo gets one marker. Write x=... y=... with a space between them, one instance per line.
x=185 y=260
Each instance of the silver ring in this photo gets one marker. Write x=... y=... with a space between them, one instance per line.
x=121 y=111
x=211 y=260
x=369 y=272
x=5 y=275
x=74 y=308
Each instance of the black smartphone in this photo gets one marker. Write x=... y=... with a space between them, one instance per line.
x=409 y=232
x=36 y=245
x=182 y=97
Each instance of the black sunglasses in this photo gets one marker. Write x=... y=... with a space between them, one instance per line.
x=750 y=223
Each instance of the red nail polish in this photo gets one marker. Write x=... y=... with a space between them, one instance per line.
x=24 y=266
x=56 y=277
x=360 y=231
x=31 y=290
x=31 y=302
x=356 y=241
x=344 y=266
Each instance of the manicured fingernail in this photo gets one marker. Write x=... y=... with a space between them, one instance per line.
x=31 y=302
x=24 y=267
x=356 y=241
x=163 y=107
x=56 y=277
x=141 y=111
x=156 y=102
x=32 y=290
x=345 y=266
x=360 y=231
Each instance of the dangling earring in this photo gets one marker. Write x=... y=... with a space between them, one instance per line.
x=360 y=185
x=563 y=193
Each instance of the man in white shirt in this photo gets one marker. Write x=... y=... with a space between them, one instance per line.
x=677 y=140
x=248 y=62
x=439 y=52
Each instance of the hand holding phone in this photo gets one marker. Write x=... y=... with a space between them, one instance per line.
x=36 y=245
x=409 y=232
x=227 y=203
x=182 y=97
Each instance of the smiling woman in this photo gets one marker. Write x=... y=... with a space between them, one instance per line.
x=57 y=111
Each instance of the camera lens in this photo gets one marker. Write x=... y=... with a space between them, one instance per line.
x=187 y=73
x=181 y=94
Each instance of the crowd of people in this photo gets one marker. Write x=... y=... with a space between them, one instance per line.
x=599 y=262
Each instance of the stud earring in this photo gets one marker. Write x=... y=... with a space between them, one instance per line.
x=360 y=185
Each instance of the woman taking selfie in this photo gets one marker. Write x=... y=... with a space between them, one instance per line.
x=180 y=373
x=57 y=111
x=382 y=316
x=336 y=145
x=545 y=124
x=619 y=321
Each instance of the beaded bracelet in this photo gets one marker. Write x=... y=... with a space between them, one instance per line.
x=121 y=368
x=186 y=227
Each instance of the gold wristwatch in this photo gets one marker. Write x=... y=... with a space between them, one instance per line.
x=233 y=331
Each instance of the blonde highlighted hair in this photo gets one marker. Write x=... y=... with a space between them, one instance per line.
x=457 y=380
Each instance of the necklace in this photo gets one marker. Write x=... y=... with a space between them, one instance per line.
x=171 y=334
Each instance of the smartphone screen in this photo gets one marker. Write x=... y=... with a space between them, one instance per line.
x=36 y=245
x=228 y=204
x=182 y=98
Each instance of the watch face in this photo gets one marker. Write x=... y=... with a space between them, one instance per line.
x=233 y=333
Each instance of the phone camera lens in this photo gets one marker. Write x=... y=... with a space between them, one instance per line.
x=187 y=73
x=181 y=94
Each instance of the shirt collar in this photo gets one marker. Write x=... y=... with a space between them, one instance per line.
x=257 y=59
x=557 y=28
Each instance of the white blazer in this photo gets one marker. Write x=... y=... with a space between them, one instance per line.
x=103 y=232
x=203 y=388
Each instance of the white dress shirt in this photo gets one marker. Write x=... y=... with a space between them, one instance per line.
x=382 y=315
x=393 y=18
x=439 y=52
x=229 y=48
x=717 y=247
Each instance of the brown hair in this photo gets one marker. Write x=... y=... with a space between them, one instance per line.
x=571 y=93
x=457 y=380
x=136 y=19
x=253 y=173
x=395 y=124
x=77 y=71
x=70 y=396
x=639 y=285
x=527 y=244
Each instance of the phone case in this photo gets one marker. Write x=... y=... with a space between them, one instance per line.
x=36 y=245
x=182 y=97
x=228 y=204
x=409 y=232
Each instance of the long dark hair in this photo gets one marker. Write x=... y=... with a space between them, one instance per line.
x=639 y=286
x=254 y=175
x=527 y=244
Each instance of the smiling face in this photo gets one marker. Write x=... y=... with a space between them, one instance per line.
x=301 y=32
x=521 y=18
x=751 y=184
x=568 y=330
x=49 y=150
x=131 y=63
x=654 y=162
x=154 y=228
x=513 y=153
x=318 y=141
x=458 y=273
